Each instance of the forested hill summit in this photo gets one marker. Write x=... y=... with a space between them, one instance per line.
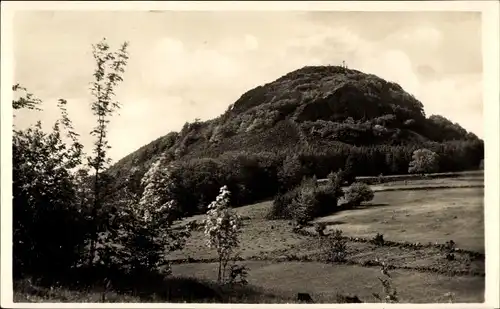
x=321 y=115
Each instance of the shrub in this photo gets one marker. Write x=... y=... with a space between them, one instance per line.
x=304 y=203
x=238 y=274
x=280 y=208
x=357 y=193
x=326 y=200
x=336 y=247
x=378 y=239
x=450 y=249
x=320 y=228
x=49 y=225
x=143 y=230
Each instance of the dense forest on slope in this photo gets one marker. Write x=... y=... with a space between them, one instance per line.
x=311 y=121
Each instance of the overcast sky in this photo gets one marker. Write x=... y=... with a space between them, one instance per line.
x=187 y=65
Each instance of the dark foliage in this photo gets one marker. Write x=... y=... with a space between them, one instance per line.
x=378 y=240
x=307 y=201
x=335 y=247
x=357 y=193
x=49 y=229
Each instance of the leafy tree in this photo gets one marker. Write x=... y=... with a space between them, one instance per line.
x=28 y=101
x=304 y=203
x=357 y=193
x=424 y=161
x=108 y=73
x=48 y=226
x=291 y=172
x=222 y=229
x=335 y=181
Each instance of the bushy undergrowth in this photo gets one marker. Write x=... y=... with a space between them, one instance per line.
x=378 y=240
x=335 y=247
x=305 y=202
x=357 y=193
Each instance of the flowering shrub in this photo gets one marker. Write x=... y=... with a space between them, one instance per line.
x=222 y=229
x=141 y=232
x=158 y=185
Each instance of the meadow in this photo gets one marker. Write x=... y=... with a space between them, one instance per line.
x=415 y=222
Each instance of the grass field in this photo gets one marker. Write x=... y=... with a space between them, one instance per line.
x=324 y=281
x=433 y=215
x=419 y=216
x=283 y=263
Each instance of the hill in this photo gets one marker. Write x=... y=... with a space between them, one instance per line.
x=320 y=116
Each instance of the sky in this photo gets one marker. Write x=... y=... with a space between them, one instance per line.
x=192 y=64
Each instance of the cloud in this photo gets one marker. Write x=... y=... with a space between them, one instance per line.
x=251 y=42
x=458 y=99
x=169 y=63
x=418 y=35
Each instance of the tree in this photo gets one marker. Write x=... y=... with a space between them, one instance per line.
x=222 y=229
x=291 y=172
x=29 y=101
x=48 y=226
x=350 y=170
x=109 y=68
x=357 y=193
x=305 y=203
x=424 y=161
x=146 y=226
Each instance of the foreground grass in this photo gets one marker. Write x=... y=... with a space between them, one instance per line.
x=173 y=290
x=324 y=281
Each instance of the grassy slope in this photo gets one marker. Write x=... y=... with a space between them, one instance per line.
x=420 y=216
x=417 y=216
